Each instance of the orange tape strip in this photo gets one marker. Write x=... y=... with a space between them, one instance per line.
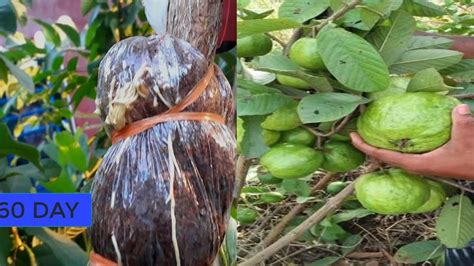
x=174 y=113
x=144 y=124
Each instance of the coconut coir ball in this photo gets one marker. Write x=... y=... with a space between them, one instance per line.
x=162 y=195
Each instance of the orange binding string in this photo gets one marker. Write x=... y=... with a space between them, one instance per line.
x=174 y=113
x=97 y=260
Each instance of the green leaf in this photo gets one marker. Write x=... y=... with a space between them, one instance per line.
x=87 y=5
x=252 y=145
x=418 y=252
x=423 y=8
x=424 y=42
x=6 y=244
x=350 y=244
x=25 y=80
x=352 y=60
x=249 y=14
x=366 y=15
x=348 y=215
x=463 y=70
x=413 y=61
x=71 y=33
x=283 y=65
x=454 y=225
x=255 y=26
x=259 y=104
x=65 y=250
x=9 y=146
x=327 y=261
x=61 y=184
x=298 y=187
x=8 y=21
x=427 y=80
x=70 y=151
x=328 y=106
x=302 y=10
x=392 y=40
x=49 y=32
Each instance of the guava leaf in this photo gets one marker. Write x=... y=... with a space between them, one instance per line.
x=249 y=14
x=255 y=26
x=65 y=250
x=413 y=61
x=418 y=252
x=327 y=261
x=8 y=145
x=366 y=15
x=302 y=10
x=463 y=70
x=434 y=42
x=299 y=187
x=328 y=106
x=350 y=244
x=392 y=40
x=352 y=60
x=428 y=80
x=348 y=215
x=250 y=102
x=423 y=8
x=454 y=225
x=252 y=145
x=24 y=79
x=283 y=65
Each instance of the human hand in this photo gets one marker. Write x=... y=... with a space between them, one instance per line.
x=455 y=159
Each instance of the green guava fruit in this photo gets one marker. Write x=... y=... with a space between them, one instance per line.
x=289 y=161
x=304 y=52
x=246 y=215
x=393 y=191
x=437 y=198
x=254 y=45
x=341 y=157
x=293 y=82
x=410 y=122
x=298 y=136
x=269 y=179
x=270 y=137
x=398 y=85
x=335 y=187
x=282 y=119
x=240 y=132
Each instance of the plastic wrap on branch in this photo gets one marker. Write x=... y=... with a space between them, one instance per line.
x=142 y=77
x=162 y=197
x=196 y=22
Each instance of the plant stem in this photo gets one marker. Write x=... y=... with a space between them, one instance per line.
x=296 y=35
x=331 y=205
x=241 y=169
x=346 y=8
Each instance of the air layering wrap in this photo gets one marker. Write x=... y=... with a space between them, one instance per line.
x=162 y=196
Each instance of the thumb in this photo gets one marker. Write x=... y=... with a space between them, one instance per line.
x=463 y=122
